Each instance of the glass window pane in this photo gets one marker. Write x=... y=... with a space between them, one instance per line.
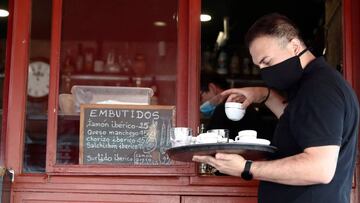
x=129 y=43
x=38 y=87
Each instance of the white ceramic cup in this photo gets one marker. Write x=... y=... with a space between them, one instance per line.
x=234 y=111
x=246 y=135
x=208 y=138
x=180 y=136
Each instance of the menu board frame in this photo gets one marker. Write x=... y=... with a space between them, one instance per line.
x=130 y=108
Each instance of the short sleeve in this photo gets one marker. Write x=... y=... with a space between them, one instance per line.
x=318 y=116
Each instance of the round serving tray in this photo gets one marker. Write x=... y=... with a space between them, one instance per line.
x=248 y=151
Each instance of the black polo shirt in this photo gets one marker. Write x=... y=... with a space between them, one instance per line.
x=322 y=110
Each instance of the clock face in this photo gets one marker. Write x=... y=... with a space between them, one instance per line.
x=38 y=79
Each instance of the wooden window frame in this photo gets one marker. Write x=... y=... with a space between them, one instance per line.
x=187 y=84
x=16 y=80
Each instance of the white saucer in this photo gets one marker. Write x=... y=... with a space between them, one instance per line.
x=254 y=141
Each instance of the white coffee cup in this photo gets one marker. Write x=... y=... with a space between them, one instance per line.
x=208 y=138
x=246 y=135
x=180 y=136
x=234 y=111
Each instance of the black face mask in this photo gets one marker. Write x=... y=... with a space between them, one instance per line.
x=283 y=75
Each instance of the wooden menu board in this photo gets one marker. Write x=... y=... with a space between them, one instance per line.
x=125 y=134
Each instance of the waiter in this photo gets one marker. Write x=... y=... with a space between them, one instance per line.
x=316 y=135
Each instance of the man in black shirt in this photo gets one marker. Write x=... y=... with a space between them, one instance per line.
x=316 y=135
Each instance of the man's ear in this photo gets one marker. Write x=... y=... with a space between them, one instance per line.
x=296 y=46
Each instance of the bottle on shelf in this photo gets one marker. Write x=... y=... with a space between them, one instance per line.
x=155 y=88
x=127 y=62
x=221 y=45
x=137 y=82
x=139 y=65
x=67 y=70
x=207 y=65
x=222 y=63
x=98 y=62
x=235 y=65
x=202 y=128
x=89 y=60
x=68 y=62
x=111 y=64
x=127 y=65
x=246 y=69
x=79 y=59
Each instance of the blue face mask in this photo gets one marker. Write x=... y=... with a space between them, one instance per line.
x=207 y=109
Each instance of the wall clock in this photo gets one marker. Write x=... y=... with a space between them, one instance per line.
x=38 y=79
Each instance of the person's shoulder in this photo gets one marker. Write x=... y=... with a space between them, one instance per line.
x=319 y=75
x=319 y=70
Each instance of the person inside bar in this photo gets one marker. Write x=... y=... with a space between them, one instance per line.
x=316 y=135
x=213 y=107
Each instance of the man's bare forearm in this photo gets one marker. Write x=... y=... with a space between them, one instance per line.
x=306 y=168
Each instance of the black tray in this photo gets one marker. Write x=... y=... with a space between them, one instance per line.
x=248 y=151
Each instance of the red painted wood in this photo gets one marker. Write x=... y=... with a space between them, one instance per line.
x=185 y=169
x=182 y=65
x=351 y=44
x=53 y=85
x=207 y=199
x=17 y=85
x=34 y=179
x=126 y=185
x=194 y=63
x=356 y=43
x=347 y=42
x=35 y=197
x=222 y=180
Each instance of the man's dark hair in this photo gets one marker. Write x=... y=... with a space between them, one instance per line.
x=207 y=78
x=274 y=25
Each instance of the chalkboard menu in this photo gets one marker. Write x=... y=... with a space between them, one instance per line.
x=125 y=134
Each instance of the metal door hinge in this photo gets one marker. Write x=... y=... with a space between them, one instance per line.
x=12 y=173
x=7 y=172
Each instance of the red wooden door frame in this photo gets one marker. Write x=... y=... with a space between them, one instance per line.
x=16 y=79
x=351 y=32
x=6 y=83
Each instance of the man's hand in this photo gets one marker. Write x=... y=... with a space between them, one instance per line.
x=217 y=99
x=247 y=95
x=231 y=164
